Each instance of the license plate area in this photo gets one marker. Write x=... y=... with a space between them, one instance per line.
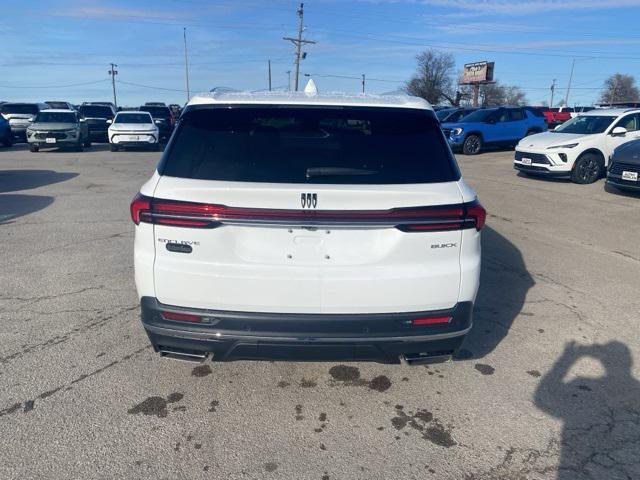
x=631 y=176
x=526 y=161
x=50 y=140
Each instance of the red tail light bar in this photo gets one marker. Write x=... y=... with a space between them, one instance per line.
x=181 y=317
x=203 y=215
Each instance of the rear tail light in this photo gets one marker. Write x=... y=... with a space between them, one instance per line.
x=181 y=317
x=203 y=215
x=477 y=213
x=139 y=205
x=420 y=322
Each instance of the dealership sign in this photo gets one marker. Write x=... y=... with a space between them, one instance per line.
x=478 y=72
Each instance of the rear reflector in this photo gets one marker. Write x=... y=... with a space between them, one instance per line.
x=203 y=215
x=181 y=317
x=419 y=322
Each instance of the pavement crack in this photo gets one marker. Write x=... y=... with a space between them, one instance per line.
x=29 y=404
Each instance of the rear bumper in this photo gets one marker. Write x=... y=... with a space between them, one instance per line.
x=270 y=336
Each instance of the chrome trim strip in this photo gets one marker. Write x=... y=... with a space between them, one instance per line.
x=192 y=335
x=390 y=223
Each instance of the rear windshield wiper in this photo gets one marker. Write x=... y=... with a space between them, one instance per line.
x=338 y=171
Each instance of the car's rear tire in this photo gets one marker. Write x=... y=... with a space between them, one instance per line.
x=587 y=169
x=34 y=148
x=472 y=145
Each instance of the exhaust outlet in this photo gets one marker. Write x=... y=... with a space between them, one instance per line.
x=183 y=355
x=413 y=359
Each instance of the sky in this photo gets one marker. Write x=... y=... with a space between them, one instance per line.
x=61 y=50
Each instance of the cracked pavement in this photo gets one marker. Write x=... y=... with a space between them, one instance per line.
x=546 y=386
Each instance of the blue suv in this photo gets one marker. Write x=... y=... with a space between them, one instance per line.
x=6 y=136
x=501 y=126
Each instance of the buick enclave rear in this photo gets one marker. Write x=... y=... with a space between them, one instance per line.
x=311 y=227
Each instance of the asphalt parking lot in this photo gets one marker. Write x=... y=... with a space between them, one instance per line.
x=547 y=385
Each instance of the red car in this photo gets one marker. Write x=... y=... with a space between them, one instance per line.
x=557 y=115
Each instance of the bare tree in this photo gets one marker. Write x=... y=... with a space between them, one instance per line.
x=435 y=77
x=620 y=88
x=514 y=95
x=495 y=94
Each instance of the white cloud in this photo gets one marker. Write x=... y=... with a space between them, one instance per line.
x=519 y=7
x=119 y=12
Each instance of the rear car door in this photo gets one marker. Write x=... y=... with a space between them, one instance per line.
x=518 y=124
x=308 y=210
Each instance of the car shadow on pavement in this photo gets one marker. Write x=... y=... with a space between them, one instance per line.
x=504 y=283
x=15 y=206
x=601 y=416
x=16 y=147
x=16 y=180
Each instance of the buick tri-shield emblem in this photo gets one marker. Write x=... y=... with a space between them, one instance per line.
x=309 y=200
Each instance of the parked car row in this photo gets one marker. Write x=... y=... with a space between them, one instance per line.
x=589 y=145
x=586 y=148
x=61 y=124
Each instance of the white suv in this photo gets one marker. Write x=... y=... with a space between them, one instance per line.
x=133 y=129
x=580 y=148
x=307 y=226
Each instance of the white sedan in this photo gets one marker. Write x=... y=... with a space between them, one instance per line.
x=133 y=129
x=580 y=148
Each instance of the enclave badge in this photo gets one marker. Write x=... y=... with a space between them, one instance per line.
x=309 y=200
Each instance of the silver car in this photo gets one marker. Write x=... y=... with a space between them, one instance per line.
x=20 y=115
x=58 y=128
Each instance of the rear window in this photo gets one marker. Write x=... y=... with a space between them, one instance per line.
x=24 y=108
x=157 y=112
x=310 y=145
x=96 y=111
x=61 y=105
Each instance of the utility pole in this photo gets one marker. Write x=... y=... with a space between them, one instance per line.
x=113 y=72
x=566 y=99
x=363 y=82
x=289 y=79
x=298 y=42
x=186 y=62
x=269 y=63
x=553 y=88
x=476 y=94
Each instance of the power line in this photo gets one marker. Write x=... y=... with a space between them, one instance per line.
x=56 y=86
x=455 y=46
x=150 y=86
x=354 y=77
